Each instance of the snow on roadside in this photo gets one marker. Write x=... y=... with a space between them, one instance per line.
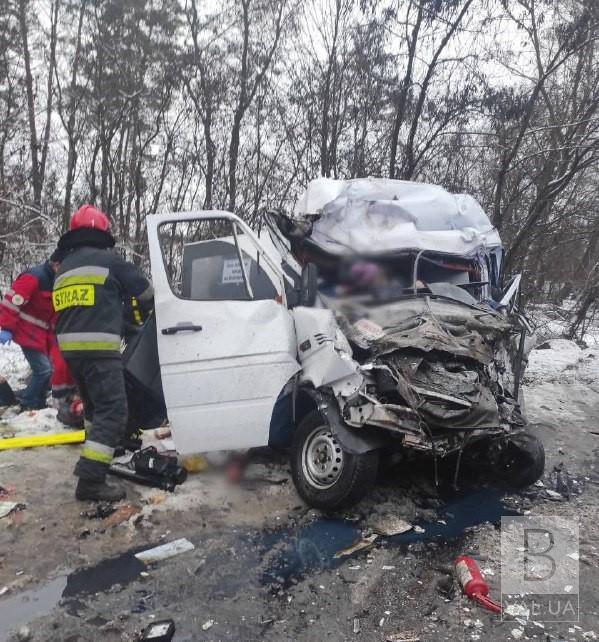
x=14 y=368
x=554 y=358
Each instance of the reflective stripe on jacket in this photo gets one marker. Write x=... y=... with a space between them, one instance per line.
x=89 y=292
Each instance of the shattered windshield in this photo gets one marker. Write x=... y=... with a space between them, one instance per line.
x=379 y=280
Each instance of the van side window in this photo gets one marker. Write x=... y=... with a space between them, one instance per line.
x=202 y=261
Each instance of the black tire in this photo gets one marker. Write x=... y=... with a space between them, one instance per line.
x=522 y=461
x=342 y=488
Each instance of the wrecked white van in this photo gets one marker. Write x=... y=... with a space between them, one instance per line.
x=372 y=321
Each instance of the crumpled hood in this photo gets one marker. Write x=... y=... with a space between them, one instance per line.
x=426 y=324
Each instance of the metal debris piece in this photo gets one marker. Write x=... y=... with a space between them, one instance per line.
x=359 y=545
x=164 y=551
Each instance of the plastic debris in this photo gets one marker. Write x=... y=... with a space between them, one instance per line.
x=164 y=551
x=473 y=583
x=359 y=545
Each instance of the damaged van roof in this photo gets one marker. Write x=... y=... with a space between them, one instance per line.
x=355 y=216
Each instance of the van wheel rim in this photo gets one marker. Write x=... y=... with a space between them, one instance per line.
x=322 y=458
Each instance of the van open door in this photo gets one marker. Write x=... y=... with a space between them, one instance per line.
x=226 y=338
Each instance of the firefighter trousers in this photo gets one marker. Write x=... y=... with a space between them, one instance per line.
x=102 y=388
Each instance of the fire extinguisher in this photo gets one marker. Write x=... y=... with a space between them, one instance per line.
x=473 y=583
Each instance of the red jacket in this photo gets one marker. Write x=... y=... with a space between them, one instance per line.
x=26 y=309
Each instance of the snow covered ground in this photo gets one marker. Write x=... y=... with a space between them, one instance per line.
x=14 y=368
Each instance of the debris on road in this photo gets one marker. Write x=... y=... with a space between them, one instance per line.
x=388 y=525
x=101 y=510
x=359 y=545
x=6 y=508
x=162 y=631
x=405 y=636
x=473 y=583
x=164 y=551
x=120 y=515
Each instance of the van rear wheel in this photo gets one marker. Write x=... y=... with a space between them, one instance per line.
x=325 y=475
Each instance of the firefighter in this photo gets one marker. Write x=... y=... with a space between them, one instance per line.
x=89 y=293
x=27 y=318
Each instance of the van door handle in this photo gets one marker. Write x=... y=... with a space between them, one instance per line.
x=182 y=327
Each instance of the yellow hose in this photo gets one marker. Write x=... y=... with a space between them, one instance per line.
x=34 y=441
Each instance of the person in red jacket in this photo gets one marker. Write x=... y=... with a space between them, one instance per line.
x=27 y=317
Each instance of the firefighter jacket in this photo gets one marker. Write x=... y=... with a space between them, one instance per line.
x=26 y=309
x=90 y=289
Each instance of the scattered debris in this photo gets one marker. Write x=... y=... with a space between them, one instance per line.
x=162 y=631
x=388 y=525
x=164 y=551
x=207 y=625
x=359 y=545
x=517 y=633
x=101 y=510
x=6 y=508
x=120 y=515
x=405 y=636
x=517 y=610
x=564 y=483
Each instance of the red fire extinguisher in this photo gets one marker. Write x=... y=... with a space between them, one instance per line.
x=473 y=583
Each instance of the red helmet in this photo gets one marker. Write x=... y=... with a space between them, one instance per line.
x=89 y=216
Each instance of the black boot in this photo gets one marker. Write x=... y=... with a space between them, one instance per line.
x=98 y=491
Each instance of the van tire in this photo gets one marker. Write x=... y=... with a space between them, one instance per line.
x=326 y=476
x=522 y=461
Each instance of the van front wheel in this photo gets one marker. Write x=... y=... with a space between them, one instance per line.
x=325 y=475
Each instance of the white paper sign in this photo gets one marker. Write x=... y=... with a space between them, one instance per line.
x=232 y=270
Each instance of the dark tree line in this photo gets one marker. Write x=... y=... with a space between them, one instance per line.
x=163 y=105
